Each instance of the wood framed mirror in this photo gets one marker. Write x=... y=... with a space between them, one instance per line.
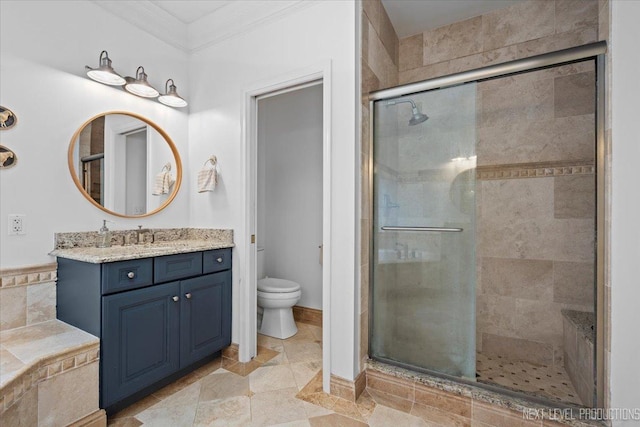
x=125 y=164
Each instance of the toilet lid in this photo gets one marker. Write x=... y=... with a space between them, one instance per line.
x=277 y=285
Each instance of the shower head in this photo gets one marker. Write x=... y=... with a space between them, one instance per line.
x=416 y=116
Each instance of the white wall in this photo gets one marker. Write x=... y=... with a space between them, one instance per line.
x=290 y=203
x=45 y=46
x=625 y=232
x=219 y=76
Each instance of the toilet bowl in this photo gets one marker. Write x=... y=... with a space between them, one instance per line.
x=277 y=297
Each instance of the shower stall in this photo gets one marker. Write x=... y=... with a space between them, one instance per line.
x=486 y=248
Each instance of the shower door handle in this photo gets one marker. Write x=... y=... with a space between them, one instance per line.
x=422 y=229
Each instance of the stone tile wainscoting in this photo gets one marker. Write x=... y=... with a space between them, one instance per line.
x=49 y=372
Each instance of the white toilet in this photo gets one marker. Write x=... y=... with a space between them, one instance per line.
x=276 y=297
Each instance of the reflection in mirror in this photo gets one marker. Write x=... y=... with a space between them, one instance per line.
x=125 y=164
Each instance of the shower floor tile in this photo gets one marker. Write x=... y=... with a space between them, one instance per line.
x=544 y=381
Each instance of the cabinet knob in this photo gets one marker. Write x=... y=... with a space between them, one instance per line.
x=175 y=298
x=219 y=259
x=188 y=295
x=131 y=275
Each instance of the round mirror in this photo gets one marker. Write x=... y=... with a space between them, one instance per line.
x=125 y=164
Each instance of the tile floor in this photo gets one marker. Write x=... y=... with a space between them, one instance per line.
x=281 y=386
x=544 y=381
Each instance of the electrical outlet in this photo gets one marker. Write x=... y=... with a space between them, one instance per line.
x=16 y=224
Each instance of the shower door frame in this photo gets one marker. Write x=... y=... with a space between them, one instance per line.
x=593 y=51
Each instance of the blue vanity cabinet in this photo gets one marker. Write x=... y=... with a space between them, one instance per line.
x=157 y=318
x=140 y=340
x=205 y=316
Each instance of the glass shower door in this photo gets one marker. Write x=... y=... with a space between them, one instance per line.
x=423 y=254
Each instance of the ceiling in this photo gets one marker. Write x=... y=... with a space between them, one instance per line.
x=410 y=17
x=194 y=24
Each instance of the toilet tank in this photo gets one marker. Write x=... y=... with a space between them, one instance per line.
x=260 y=263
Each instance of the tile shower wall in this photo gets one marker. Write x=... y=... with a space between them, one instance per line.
x=379 y=62
x=535 y=150
x=555 y=141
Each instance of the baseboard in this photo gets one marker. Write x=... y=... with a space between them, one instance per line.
x=346 y=389
x=308 y=315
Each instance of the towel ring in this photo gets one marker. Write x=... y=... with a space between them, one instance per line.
x=166 y=168
x=213 y=160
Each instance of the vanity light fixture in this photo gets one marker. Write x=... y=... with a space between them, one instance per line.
x=105 y=73
x=140 y=86
x=171 y=97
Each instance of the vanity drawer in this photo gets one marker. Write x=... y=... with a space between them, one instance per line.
x=216 y=260
x=179 y=266
x=126 y=275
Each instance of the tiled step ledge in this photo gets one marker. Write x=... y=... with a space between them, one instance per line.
x=459 y=403
x=36 y=353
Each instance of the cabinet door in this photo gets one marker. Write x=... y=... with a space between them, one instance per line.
x=205 y=317
x=139 y=341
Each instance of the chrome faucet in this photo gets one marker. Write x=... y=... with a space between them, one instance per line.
x=140 y=235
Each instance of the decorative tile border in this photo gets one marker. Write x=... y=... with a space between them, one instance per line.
x=534 y=170
x=44 y=370
x=31 y=275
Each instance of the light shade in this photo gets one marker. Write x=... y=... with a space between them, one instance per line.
x=139 y=86
x=171 y=97
x=105 y=73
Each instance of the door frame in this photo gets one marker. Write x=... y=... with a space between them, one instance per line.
x=294 y=80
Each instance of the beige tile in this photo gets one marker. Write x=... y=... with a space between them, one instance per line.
x=524 y=100
x=518 y=23
x=373 y=10
x=443 y=401
x=517 y=349
x=370 y=82
x=498 y=417
x=265 y=354
x=380 y=62
x=302 y=351
x=603 y=21
x=390 y=401
x=303 y=372
x=522 y=278
x=557 y=42
x=452 y=41
x=233 y=411
x=279 y=406
x=384 y=417
x=424 y=73
x=364 y=334
x=388 y=36
x=269 y=342
x=335 y=420
x=434 y=416
x=134 y=409
x=411 y=51
x=575 y=95
x=573 y=283
x=13 y=307
x=268 y=378
x=23 y=412
x=169 y=416
x=221 y=386
x=9 y=366
x=574 y=196
x=68 y=396
x=539 y=321
x=177 y=385
x=390 y=385
x=315 y=410
x=184 y=397
x=496 y=314
x=364 y=287
x=123 y=422
x=574 y=14
x=41 y=302
x=364 y=37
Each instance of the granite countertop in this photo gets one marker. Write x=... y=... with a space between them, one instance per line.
x=81 y=246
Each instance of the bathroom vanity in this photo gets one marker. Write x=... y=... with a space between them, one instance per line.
x=158 y=316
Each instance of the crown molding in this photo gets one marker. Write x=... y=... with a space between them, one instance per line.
x=237 y=18
x=150 y=18
x=233 y=19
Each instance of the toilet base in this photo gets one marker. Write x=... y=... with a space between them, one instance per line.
x=278 y=323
